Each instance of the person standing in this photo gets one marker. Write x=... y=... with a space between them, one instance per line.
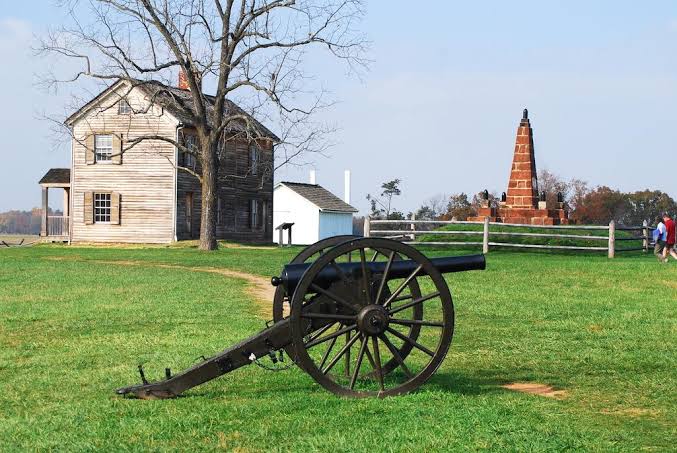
x=660 y=236
x=669 y=237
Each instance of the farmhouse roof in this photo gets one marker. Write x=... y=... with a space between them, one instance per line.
x=319 y=196
x=57 y=176
x=179 y=103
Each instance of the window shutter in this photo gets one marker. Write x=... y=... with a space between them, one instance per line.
x=89 y=149
x=88 y=211
x=116 y=158
x=251 y=214
x=115 y=208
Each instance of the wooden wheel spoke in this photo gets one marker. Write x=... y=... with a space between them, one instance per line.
x=403 y=285
x=401 y=298
x=339 y=271
x=373 y=258
x=384 y=277
x=358 y=365
x=377 y=357
x=370 y=357
x=410 y=341
x=320 y=332
x=332 y=296
x=340 y=354
x=339 y=332
x=415 y=322
x=327 y=352
x=414 y=302
x=396 y=354
x=366 y=276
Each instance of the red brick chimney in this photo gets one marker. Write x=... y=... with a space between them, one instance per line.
x=183 y=80
x=523 y=184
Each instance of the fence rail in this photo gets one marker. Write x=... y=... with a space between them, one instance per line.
x=409 y=231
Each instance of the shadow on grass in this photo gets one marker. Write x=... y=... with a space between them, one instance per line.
x=479 y=383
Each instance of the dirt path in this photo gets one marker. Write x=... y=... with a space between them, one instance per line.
x=258 y=287
x=536 y=389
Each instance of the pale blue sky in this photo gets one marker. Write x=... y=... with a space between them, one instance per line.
x=441 y=103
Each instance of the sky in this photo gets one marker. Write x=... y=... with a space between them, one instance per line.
x=441 y=102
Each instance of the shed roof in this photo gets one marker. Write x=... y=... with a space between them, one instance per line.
x=60 y=176
x=319 y=196
x=179 y=103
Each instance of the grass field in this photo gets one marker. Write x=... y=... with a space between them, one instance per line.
x=75 y=322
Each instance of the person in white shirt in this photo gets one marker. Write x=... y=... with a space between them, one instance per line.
x=660 y=236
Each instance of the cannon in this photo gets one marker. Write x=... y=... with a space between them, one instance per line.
x=362 y=316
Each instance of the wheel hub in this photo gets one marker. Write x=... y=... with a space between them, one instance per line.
x=373 y=320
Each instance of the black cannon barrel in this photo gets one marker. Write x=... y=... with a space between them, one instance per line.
x=292 y=273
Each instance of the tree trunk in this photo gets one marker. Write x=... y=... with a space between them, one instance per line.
x=210 y=172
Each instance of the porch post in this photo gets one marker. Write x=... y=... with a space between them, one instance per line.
x=66 y=200
x=45 y=204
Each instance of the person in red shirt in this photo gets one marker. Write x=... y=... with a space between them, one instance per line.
x=670 y=241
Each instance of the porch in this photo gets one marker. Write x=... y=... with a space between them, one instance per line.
x=56 y=228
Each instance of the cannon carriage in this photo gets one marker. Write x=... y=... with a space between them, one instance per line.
x=362 y=316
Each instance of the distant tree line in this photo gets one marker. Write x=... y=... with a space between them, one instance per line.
x=23 y=222
x=598 y=205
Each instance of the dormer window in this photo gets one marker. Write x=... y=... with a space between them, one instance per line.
x=124 y=108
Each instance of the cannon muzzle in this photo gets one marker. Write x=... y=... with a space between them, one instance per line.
x=292 y=273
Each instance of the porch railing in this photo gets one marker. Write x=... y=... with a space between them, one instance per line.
x=58 y=225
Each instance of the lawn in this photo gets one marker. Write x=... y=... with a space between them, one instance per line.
x=75 y=322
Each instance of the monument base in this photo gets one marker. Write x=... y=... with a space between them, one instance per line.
x=524 y=216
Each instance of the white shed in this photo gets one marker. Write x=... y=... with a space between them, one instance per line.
x=315 y=212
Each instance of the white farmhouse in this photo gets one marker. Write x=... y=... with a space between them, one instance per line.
x=315 y=212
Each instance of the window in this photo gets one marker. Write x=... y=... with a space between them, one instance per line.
x=103 y=147
x=124 y=108
x=102 y=207
x=188 y=160
x=254 y=213
x=253 y=159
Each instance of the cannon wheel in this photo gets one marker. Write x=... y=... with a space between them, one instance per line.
x=311 y=253
x=372 y=312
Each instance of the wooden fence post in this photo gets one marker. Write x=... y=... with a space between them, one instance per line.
x=413 y=228
x=645 y=234
x=485 y=236
x=367 y=227
x=612 y=239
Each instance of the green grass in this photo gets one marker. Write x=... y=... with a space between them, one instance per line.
x=73 y=326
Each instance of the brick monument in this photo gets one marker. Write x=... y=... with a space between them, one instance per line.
x=522 y=203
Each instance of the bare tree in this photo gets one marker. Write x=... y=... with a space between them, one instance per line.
x=251 y=51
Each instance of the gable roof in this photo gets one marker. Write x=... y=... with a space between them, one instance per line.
x=179 y=103
x=57 y=176
x=319 y=196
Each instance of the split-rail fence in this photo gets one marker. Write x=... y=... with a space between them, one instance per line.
x=409 y=230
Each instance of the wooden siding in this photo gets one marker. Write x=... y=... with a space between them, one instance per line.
x=144 y=179
x=235 y=193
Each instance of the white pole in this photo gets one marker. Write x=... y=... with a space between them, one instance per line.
x=312 y=177
x=346 y=186
x=413 y=228
x=612 y=239
x=485 y=236
x=367 y=227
